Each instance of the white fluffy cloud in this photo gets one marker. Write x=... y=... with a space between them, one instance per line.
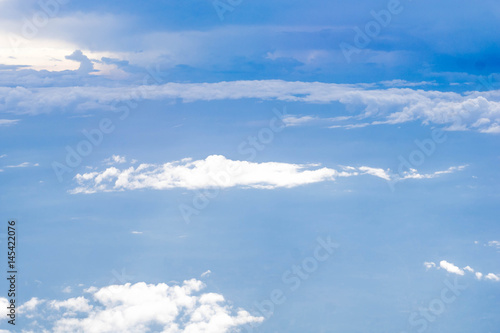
x=478 y=111
x=138 y=308
x=77 y=304
x=493 y=277
x=217 y=171
x=452 y=268
x=30 y=305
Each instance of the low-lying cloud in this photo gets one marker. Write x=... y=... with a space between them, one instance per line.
x=478 y=111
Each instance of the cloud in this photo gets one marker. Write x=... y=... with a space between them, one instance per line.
x=86 y=66
x=414 y=174
x=469 y=269
x=207 y=273
x=495 y=244
x=30 y=305
x=429 y=265
x=67 y=290
x=115 y=159
x=449 y=267
x=8 y=122
x=216 y=171
x=206 y=45
x=139 y=307
x=376 y=172
x=136 y=232
x=492 y=277
x=350 y=126
x=77 y=304
x=23 y=165
x=478 y=111
x=404 y=83
x=295 y=121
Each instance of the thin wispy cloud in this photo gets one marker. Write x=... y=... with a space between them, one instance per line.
x=495 y=244
x=206 y=274
x=67 y=290
x=451 y=268
x=414 y=174
x=23 y=165
x=8 y=122
x=429 y=265
x=292 y=120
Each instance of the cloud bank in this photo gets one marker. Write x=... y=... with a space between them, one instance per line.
x=479 y=111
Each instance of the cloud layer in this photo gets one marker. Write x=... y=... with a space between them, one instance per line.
x=220 y=172
x=478 y=111
x=138 y=308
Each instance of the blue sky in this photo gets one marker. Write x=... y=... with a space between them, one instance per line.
x=173 y=168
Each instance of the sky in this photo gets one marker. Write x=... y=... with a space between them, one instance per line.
x=251 y=166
